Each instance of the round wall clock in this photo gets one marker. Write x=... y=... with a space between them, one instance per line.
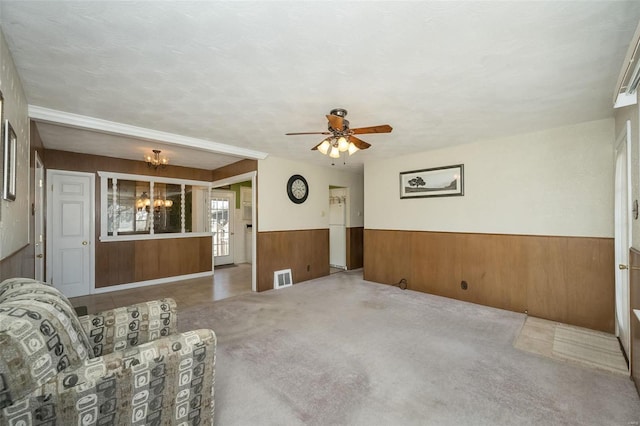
x=297 y=189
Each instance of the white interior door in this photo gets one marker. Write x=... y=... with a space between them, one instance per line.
x=70 y=232
x=622 y=236
x=223 y=204
x=38 y=213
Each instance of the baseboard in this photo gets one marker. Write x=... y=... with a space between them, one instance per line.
x=151 y=282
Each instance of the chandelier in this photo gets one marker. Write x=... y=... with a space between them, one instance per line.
x=155 y=160
x=334 y=145
x=145 y=201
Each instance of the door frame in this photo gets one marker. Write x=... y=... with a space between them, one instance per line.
x=92 y=224
x=623 y=138
x=252 y=176
x=38 y=217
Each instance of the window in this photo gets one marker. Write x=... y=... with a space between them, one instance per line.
x=220 y=210
x=145 y=207
x=128 y=207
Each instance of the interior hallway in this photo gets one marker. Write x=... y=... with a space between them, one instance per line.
x=228 y=281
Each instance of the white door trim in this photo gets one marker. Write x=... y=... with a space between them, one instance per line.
x=252 y=176
x=623 y=146
x=92 y=256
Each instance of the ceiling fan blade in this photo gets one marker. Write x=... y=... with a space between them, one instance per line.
x=315 y=148
x=359 y=143
x=385 y=128
x=335 y=122
x=307 y=133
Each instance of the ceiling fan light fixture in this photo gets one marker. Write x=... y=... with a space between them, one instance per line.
x=335 y=152
x=341 y=137
x=343 y=145
x=324 y=146
x=352 y=148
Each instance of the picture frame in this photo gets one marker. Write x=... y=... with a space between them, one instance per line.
x=10 y=145
x=2 y=156
x=446 y=181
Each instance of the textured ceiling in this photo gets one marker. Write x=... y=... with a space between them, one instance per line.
x=245 y=73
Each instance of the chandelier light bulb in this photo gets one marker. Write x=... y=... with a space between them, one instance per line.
x=335 y=152
x=352 y=148
x=343 y=145
x=324 y=146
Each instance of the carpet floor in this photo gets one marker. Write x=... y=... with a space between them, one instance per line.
x=342 y=351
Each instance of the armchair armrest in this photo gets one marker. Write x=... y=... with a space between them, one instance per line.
x=169 y=381
x=128 y=326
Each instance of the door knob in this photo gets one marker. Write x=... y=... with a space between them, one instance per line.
x=40 y=256
x=622 y=267
x=84 y=243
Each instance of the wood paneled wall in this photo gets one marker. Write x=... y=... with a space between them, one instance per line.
x=305 y=252
x=122 y=262
x=355 y=250
x=235 y=169
x=566 y=279
x=634 y=299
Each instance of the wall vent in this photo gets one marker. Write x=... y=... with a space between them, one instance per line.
x=282 y=279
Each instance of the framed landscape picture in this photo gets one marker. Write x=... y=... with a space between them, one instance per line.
x=447 y=181
x=9 y=169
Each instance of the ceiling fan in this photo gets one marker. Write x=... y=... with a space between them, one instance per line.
x=341 y=137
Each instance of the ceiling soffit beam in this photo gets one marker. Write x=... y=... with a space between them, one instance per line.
x=67 y=119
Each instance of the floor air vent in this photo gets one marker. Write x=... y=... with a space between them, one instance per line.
x=282 y=279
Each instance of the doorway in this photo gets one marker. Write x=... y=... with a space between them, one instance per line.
x=337 y=228
x=246 y=217
x=622 y=236
x=38 y=213
x=70 y=232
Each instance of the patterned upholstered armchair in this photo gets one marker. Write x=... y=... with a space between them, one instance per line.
x=127 y=366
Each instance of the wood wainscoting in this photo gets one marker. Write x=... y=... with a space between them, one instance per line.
x=565 y=279
x=355 y=250
x=305 y=252
x=634 y=302
x=123 y=262
x=234 y=169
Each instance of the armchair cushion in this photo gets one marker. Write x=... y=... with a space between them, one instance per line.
x=31 y=290
x=38 y=340
x=121 y=328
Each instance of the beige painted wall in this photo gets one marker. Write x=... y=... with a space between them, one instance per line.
x=277 y=213
x=554 y=182
x=14 y=215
